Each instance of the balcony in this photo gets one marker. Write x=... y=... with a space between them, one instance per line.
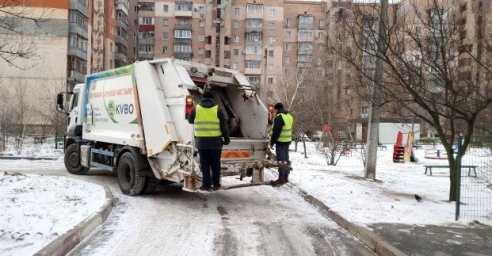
x=183 y=55
x=305 y=26
x=77 y=52
x=185 y=12
x=122 y=23
x=146 y=55
x=252 y=71
x=148 y=40
x=120 y=56
x=122 y=5
x=75 y=28
x=305 y=51
x=183 y=26
x=254 y=15
x=185 y=41
x=253 y=57
x=146 y=27
x=76 y=76
x=121 y=40
x=75 y=5
x=257 y=29
x=305 y=36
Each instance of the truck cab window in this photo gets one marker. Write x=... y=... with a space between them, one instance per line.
x=75 y=100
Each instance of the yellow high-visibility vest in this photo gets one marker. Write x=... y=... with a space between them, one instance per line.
x=286 y=133
x=207 y=124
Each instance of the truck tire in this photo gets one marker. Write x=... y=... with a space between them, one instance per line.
x=131 y=183
x=72 y=160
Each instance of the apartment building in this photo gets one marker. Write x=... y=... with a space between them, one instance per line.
x=266 y=40
x=71 y=39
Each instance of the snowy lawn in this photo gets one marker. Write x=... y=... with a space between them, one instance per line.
x=32 y=149
x=37 y=209
x=390 y=199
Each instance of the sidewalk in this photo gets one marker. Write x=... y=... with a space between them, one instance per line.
x=387 y=209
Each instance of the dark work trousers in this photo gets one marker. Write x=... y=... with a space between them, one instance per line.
x=282 y=151
x=210 y=159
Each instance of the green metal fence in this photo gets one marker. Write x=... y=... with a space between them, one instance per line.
x=474 y=187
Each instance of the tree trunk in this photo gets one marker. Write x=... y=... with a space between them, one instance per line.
x=305 y=151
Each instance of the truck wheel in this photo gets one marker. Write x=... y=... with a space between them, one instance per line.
x=72 y=161
x=131 y=183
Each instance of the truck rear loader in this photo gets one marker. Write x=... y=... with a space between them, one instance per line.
x=133 y=121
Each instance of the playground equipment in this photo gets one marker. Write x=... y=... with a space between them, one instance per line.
x=403 y=153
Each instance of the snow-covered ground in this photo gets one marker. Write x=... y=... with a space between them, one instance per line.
x=31 y=149
x=389 y=200
x=37 y=209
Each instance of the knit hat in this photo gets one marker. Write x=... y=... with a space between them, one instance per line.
x=208 y=95
x=278 y=106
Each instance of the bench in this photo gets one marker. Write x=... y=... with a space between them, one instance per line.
x=469 y=167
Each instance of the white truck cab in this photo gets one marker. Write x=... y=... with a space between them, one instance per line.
x=133 y=121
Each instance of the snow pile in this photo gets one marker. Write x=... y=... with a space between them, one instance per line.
x=32 y=149
x=37 y=209
x=391 y=199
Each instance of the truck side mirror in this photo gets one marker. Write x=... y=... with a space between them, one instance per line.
x=59 y=101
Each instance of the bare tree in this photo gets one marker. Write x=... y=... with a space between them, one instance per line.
x=17 y=42
x=6 y=116
x=433 y=68
x=337 y=142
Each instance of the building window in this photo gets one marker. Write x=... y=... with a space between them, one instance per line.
x=183 y=6
x=165 y=22
x=235 y=24
x=306 y=19
x=145 y=48
x=77 y=17
x=270 y=53
x=270 y=67
x=288 y=34
x=272 y=12
x=166 y=8
x=271 y=39
x=252 y=64
x=227 y=54
x=250 y=49
x=236 y=39
x=201 y=51
x=270 y=80
x=254 y=8
x=287 y=23
x=271 y=25
x=237 y=11
x=179 y=33
x=201 y=23
x=182 y=48
x=146 y=20
x=286 y=72
x=201 y=10
x=146 y=6
x=236 y=52
x=321 y=24
x=164 y=36
x=287 y=59
x=287 y=47
x=234 y=66
x=164 y=49
x=201 y=38
x=254 y=79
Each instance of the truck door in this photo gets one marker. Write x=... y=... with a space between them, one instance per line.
x=73 y=116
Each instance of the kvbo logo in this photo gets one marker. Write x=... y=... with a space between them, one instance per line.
x=124 y=109
x=119 y=109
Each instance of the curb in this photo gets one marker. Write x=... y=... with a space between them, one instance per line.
x=67 y=241
x=369 y=238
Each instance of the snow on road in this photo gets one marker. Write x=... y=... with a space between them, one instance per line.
x=37 y=209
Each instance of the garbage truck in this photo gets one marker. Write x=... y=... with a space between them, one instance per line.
x=132 y=120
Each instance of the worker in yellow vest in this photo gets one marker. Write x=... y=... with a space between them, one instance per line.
x=281 y=138
x=211 y=134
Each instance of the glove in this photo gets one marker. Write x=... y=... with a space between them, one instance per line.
x=272 y=144
x=226 y=140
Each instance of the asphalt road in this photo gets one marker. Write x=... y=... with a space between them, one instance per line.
x=247 y=221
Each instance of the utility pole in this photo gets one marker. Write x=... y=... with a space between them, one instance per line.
x=373 y=122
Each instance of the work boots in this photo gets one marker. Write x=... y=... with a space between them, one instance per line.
x=281 y=178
